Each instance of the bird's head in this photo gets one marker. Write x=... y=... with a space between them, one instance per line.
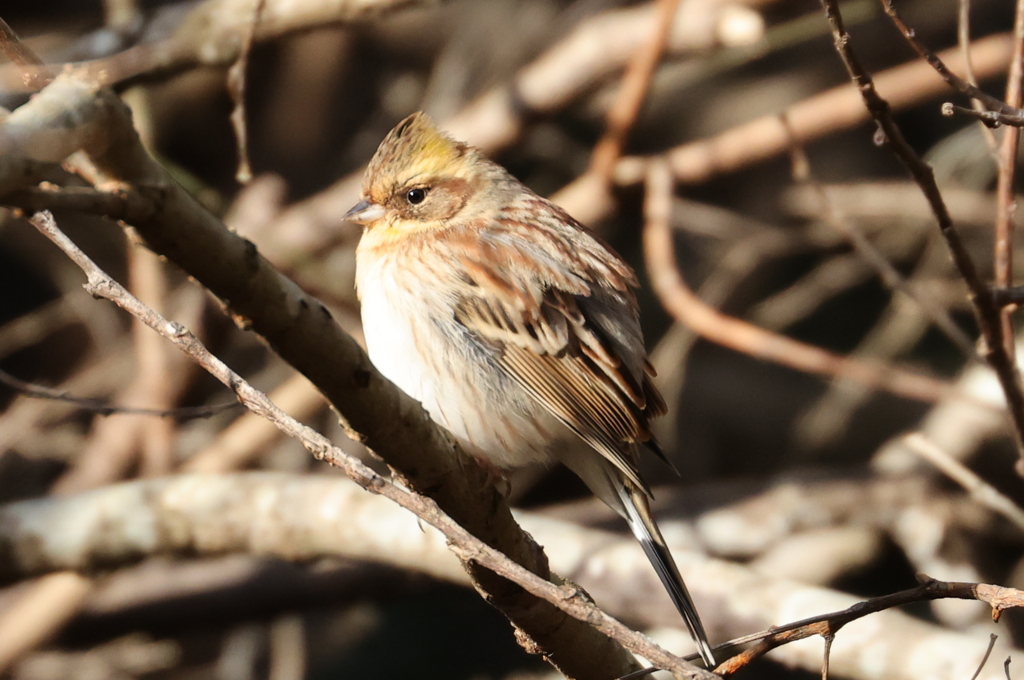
x=419 y=179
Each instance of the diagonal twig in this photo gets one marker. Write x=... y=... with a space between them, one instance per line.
x=103 y=407
x=873 y=256
x=980 y=490
x=988 y=652
x=987 y=313
x=34 y=72
x=567 y=597
x=1013 y=114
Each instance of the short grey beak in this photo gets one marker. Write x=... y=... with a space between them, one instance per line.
x=364 y=212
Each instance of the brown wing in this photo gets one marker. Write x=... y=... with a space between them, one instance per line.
x=571 y=365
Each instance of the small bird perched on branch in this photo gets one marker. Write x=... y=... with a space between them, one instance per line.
x=513 y=325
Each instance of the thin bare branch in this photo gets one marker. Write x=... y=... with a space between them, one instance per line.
x=955 y=81
x=873 y=256
x=988 y=119
x=1006 y=204
x=236 y=88
x=105 y=408
x=963 y=38
x=987 y=312
x=988 y=652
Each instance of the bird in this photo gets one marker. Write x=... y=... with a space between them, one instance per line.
x=513 y=325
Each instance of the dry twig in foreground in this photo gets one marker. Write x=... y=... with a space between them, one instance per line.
x=827 y=625
x=566 y=597
x=71 y=114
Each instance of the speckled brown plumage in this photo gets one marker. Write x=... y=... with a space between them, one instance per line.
x=515 y=327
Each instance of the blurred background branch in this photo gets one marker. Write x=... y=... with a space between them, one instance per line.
x=800 y=492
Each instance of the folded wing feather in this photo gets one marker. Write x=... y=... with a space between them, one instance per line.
x=554 y=343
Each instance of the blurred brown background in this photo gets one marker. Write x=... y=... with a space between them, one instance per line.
x=754 y=241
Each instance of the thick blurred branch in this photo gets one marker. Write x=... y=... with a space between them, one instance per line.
x=630 y=97
x=303 y=518
x=211 y=34
x=826 y=113
x=597 y=48
x=592 y=52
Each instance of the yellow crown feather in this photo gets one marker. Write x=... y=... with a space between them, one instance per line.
x=414 y=148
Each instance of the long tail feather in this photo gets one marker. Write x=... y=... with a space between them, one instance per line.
x=638 y=515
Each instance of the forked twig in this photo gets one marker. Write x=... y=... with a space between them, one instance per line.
x=1012 y=114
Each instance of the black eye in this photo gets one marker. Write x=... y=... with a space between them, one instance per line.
x=415 y=196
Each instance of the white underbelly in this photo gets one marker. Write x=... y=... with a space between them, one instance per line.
x=489 y=415
x=393 y=348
